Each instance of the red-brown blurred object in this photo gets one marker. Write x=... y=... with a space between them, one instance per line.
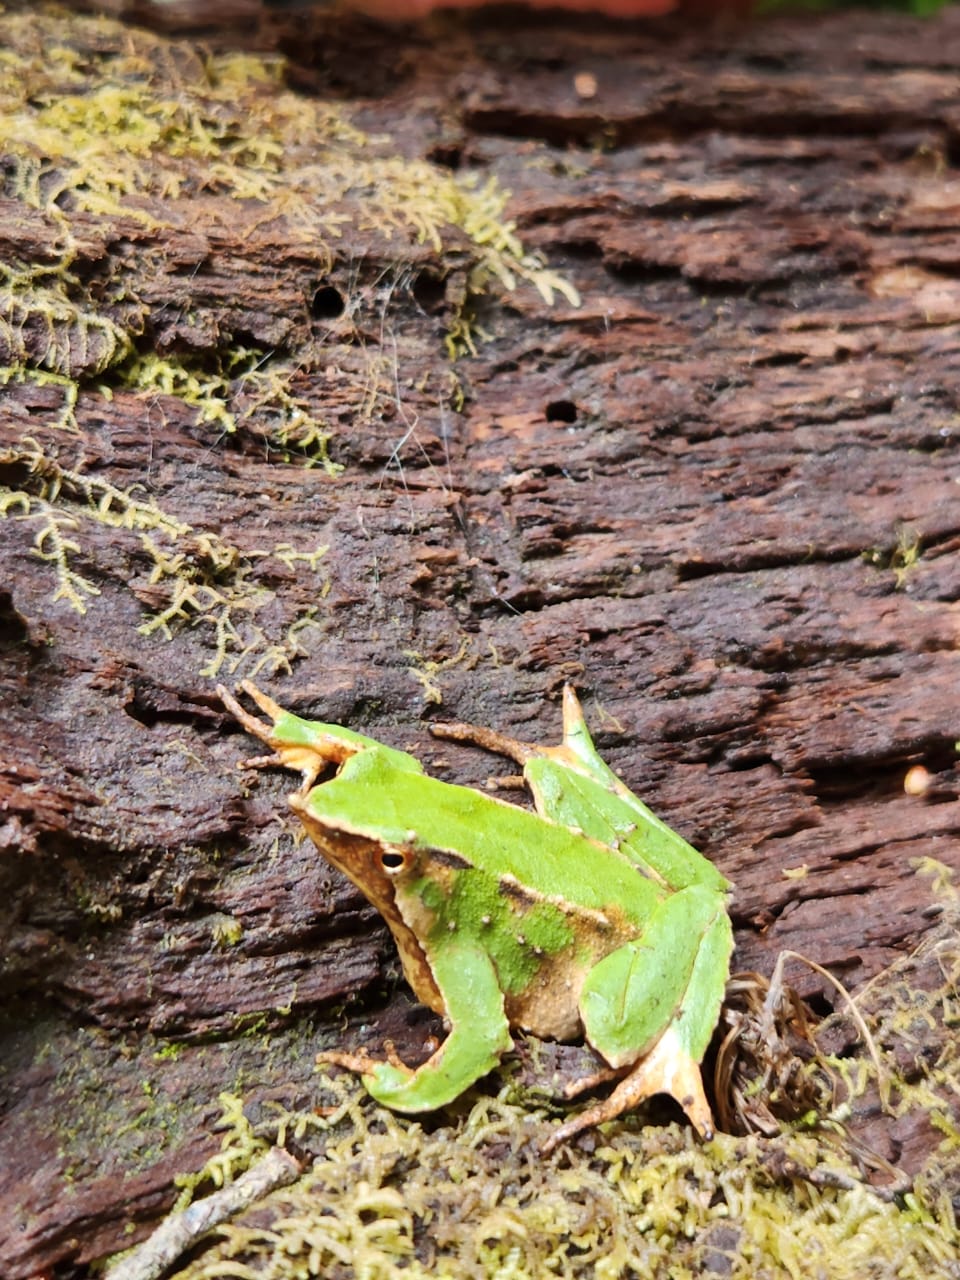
x=404 y=9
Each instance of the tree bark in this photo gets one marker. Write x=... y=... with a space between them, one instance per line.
x=720 y=496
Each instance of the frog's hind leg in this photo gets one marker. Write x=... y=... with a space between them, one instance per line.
x=667 y=1068
x=650 y=1007
x=500 y=744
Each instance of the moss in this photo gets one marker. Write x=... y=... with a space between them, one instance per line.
x=466 y=1192
x=169 y=1052
x=238 y=1150
x=205 y=579
x=913 y=1014
x=123 y=124
x=426 y=670
x=101 y=1127
x=900 y=559
x=227 y=931
x=387 y=1197
x=243 y=388
x=124 y=136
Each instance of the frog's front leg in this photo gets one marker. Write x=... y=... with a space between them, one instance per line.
x=479 y=1036
x=651 y=1006
x=556 y=775
x=307 y=746
x=573 y=786
x=308 y=758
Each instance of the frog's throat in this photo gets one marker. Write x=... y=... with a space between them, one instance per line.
x=358 y=858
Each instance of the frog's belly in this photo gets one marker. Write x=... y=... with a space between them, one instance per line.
x=550 y=1005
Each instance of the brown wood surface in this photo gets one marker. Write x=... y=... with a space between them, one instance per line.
x=685 y=495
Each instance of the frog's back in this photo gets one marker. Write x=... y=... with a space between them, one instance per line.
x=492 y=835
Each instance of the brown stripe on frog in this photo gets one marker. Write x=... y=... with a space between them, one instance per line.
x=447 y=858
x=611 y=920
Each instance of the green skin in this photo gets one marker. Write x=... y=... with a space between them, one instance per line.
x=589 y=918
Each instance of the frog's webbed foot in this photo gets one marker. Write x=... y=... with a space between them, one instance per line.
x=667 y=1068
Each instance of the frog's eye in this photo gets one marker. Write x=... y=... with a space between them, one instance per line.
x=393 y=861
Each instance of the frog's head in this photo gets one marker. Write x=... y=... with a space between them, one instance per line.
x=379 y=869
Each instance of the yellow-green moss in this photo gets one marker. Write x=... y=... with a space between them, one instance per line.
x=465 y=1192
x=99 y=119
x=99 y=1126
x=426 y=670
x=207 y=581
x=102 y=119
x=386 y=1198
x=900 y=559
x=226 y=930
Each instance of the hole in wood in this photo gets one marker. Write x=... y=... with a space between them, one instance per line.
x=430 y=292
x=561 y=411
x=328 y=303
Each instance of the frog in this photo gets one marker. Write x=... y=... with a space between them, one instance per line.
x=586 y=917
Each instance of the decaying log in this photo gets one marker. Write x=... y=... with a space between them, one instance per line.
x=720 y=495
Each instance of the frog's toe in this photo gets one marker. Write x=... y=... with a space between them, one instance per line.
x=361 y=1062
x=603 y=1075
x=256 y=728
